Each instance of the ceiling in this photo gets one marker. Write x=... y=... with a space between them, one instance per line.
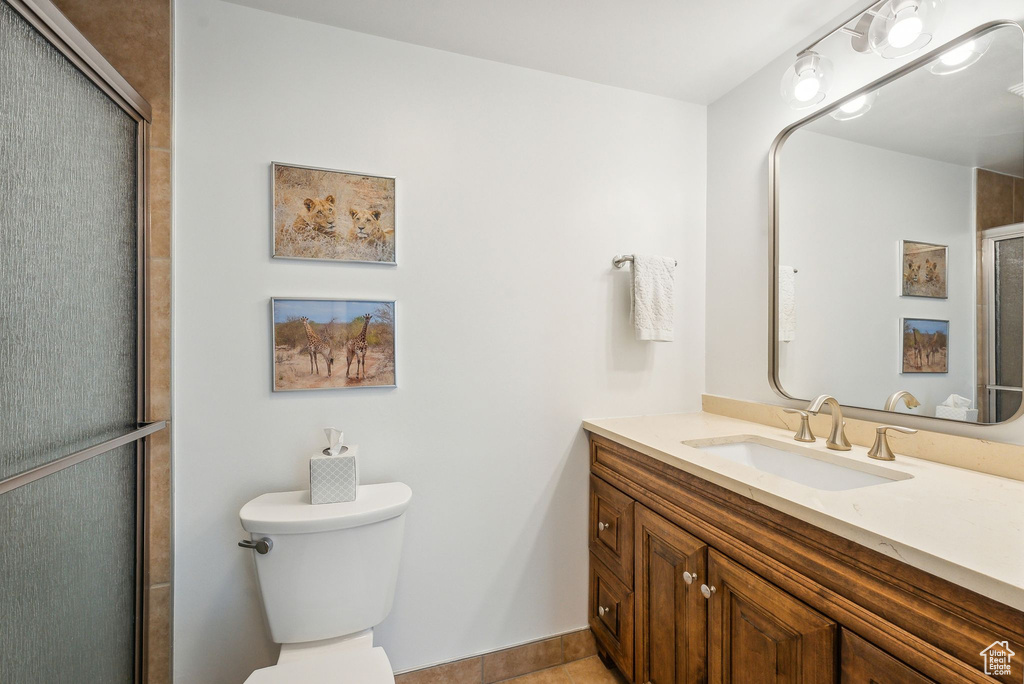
x=693 y=50
x=968 y=118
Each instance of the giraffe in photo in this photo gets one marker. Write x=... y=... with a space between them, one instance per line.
x=315 y=346
x=356 y=349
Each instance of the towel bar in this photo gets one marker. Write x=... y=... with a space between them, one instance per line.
x=620 y=261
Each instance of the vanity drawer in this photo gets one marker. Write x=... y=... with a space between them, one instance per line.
x=864 y=663
x=611 y=528
x=611 y=614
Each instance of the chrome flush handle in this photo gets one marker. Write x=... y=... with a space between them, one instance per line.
x=261 y=546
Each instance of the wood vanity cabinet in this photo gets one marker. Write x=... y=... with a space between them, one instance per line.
x=759 y=633
x=863 y=663
x=690 y=582
x=671 y=614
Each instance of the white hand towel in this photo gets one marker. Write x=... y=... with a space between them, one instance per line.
x=652 y=305
x=787 y=303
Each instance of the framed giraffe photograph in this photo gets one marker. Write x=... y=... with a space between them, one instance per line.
x=925 y=345
x=330 y=215
x=332 y=343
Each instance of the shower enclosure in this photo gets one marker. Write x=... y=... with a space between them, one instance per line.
x=73 y=229
x=1002 y=266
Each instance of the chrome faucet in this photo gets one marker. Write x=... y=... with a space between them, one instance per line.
x=894 y=399
x=837 y=438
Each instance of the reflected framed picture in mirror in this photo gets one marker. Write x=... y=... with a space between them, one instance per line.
x=924 y=269
x=925 y=345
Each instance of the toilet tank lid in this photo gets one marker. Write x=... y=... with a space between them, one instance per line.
x=292 y=512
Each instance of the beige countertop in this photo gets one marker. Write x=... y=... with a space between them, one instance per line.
x=964 y=526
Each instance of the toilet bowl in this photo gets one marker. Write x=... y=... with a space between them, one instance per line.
x=327 y=576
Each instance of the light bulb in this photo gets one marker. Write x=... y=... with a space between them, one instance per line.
x=961 y=57
x=901 y=27
x=906 y=30
x=855 y=108
x=958 y=56
x=807 y=81
x=854 y=105
x=806 y=88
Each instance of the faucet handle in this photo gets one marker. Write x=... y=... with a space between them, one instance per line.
x=880 y=449
x=803 y=433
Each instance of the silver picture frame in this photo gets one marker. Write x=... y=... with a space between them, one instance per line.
x=273 y=214
x=902 y=288
x=338 y=360
x=903 y=350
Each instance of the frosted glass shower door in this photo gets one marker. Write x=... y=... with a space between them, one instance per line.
x=1003 y=265
x=69 y=364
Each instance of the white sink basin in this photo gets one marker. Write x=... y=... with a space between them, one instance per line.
x=799 y=464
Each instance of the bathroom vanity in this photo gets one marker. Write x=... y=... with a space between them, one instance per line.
x=707 y=565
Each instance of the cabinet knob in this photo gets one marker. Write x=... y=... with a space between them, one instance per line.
x=689 y=577
x=601 y=527
x=602 y=611
x=706 y=591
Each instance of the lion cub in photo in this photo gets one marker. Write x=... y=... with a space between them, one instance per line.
x=912 y=273
x=319 y=216
x=366 y=226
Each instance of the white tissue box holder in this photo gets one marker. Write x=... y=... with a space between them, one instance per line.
x=334 y=479
x=954 y=413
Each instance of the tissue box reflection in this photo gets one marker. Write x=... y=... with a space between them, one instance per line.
x=957 y=413
x=334 y=479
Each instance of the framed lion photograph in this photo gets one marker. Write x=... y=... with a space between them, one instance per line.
x=924 y=269
x=332 y=215
x=332 y=343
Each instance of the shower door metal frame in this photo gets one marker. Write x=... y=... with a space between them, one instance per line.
x=51 y=23
x=989 y=237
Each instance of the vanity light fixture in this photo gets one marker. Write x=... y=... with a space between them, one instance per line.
x=901 y=27
x=889 y=28
x=856 y=107
x=962 y=56
x=806 y=83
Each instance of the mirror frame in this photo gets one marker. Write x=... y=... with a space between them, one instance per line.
x=773 y=209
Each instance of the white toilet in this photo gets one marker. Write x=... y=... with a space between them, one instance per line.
x=327 y=576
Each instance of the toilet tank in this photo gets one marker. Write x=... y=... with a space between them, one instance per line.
x=332 y=568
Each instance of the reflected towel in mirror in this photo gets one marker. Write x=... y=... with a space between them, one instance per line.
x=787 y=303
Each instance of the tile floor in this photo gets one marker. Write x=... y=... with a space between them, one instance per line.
x=567 y=659
x=587 y=671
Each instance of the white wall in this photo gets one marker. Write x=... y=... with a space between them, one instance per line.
x=844 y=208
x=741 y=128
x=515 y=189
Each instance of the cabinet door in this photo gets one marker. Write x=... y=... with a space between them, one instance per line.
x=758 y=634
x=863 y=663
x=671 y=613
x=611 y=528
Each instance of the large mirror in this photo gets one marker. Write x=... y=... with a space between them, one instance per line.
x=898 y=239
